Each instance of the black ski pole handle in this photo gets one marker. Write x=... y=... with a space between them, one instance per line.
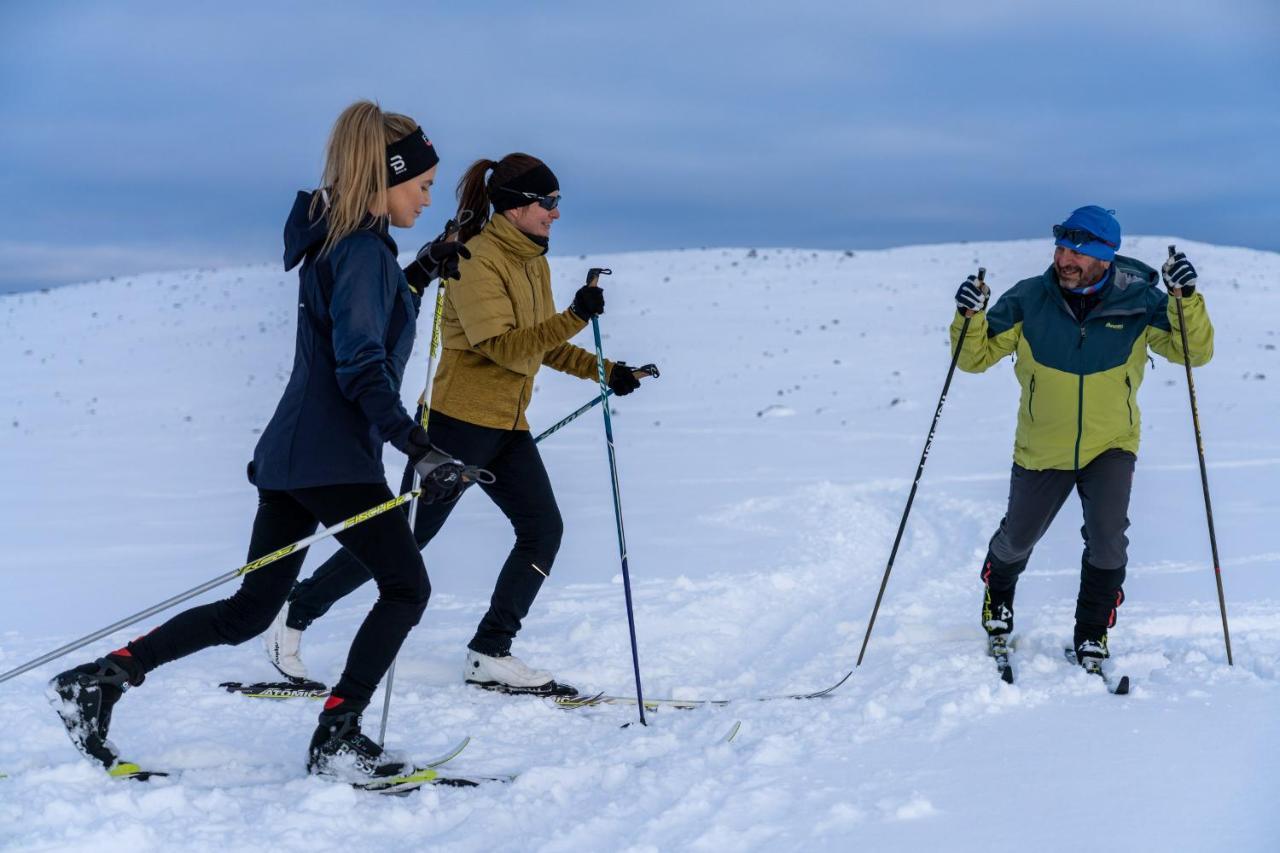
x=1173 y=250
x=593 y=275
x=982 y=285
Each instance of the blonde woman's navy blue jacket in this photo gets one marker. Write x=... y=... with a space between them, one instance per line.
x=356 y=323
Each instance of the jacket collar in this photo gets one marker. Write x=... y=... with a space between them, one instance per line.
x=511 y=239
x=1130 y=279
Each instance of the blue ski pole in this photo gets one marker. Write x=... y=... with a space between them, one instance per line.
x=593 y=278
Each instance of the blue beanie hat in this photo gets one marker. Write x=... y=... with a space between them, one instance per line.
x=1103 y=232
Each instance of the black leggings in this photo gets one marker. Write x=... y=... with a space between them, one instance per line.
x=383 y=543
x=521 y=490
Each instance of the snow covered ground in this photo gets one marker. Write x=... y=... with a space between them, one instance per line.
x=763 y=477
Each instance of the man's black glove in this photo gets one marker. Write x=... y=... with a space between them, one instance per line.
x=437 y=259
x=442 y=478
x=588 y=302
x=1178 y=272
x=622 y=379
x=971 y=296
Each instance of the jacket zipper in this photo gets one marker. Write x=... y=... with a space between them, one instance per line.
x=1093 y=315
x=1031 y=398
x=1128 y=400
x=1079 y=405
x=1079 y=421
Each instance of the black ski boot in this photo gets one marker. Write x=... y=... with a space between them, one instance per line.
x=997 y=604
x=339 y=749
x=83 y=698
x=1091 y=649
x=997 y=612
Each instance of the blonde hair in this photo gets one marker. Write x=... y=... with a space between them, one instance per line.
x=355 y=167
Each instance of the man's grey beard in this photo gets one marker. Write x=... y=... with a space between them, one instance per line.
x=1078 y=282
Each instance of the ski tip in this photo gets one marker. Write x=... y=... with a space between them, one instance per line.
x=1006 y=675
x=733 y=732
x=451 y=754
x=820 y=693
x=1122 y=686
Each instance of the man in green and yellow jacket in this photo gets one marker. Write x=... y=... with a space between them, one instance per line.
x=1079 y=333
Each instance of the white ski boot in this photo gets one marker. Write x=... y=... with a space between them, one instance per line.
x=284 y=649
x=508 y=674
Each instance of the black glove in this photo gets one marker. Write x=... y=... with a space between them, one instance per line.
x=1178 y=272
x=971 y=296
x=622 y=379
x=437 y=259
x=588 y=302
x=442 y=478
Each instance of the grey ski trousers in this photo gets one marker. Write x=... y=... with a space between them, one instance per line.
x=1035 y=497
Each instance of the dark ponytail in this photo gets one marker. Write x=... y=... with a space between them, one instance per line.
x=474 y=190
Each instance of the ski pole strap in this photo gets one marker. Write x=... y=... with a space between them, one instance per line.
x=476 y=474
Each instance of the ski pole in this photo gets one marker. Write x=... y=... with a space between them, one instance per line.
x=251 y=566
x=451 y=228
x=649 y=370
x=928 y=443
x=1204 y=474
x=593 y=278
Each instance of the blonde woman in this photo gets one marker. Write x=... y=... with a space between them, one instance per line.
x=500 y=327
x=319 y=459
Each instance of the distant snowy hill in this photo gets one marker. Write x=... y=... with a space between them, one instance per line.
x=763 y=476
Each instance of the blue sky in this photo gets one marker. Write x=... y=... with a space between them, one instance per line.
x=144 y=136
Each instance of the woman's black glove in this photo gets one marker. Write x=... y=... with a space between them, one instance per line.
x=588 y=301
x=437 y=259
x=442 y=478
x=622 y=379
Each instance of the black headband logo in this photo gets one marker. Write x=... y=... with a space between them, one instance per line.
x=409 y=157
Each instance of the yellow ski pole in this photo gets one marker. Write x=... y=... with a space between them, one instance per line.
x=251 y=566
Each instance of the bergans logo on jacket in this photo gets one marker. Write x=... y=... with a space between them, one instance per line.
x=1080 y=379
x=500 y=325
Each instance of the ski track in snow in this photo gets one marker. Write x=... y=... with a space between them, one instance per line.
x=763 y=477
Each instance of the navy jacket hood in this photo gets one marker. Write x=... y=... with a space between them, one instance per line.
x=301 y=232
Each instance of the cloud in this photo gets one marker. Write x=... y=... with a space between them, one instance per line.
x=808 y=123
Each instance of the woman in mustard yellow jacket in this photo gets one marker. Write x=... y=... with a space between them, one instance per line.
x=500 y=326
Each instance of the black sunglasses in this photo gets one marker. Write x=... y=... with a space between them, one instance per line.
x=1078 y=236
x=546 y=202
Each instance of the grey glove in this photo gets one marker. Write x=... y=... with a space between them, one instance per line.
x=440 y=475
x=442 y=478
